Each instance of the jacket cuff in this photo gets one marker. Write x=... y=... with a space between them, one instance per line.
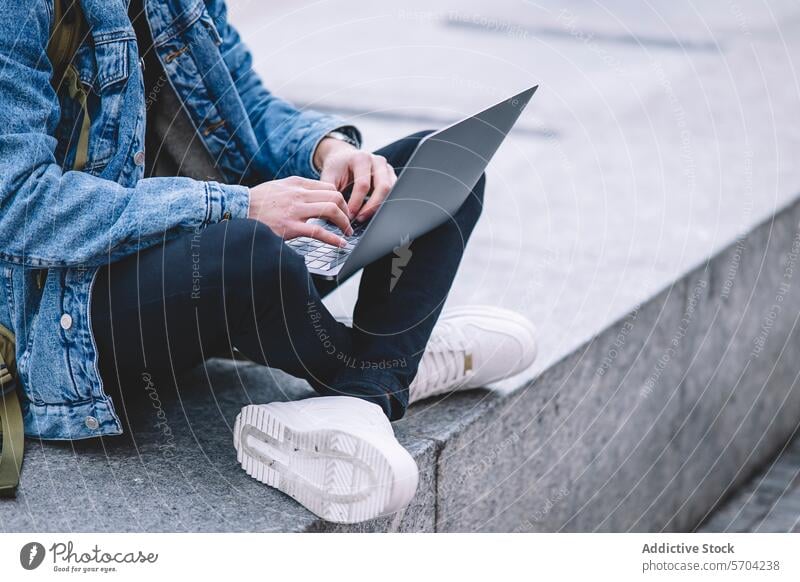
x=226 y=201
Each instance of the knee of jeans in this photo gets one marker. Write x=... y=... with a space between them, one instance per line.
x=408 y=145
x=471 y=209
x=420 y=134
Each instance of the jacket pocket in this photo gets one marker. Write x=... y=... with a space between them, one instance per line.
x=113 y=62
x=105 y=73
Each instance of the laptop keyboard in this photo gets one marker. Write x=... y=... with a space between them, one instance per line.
x=323 y=256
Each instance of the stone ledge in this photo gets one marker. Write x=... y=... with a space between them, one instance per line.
x=645 y=427
x=650 y=423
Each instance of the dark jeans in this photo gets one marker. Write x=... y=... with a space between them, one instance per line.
x=236 y=284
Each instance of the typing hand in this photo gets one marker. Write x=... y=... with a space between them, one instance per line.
x=286 y=205
x=341 y=164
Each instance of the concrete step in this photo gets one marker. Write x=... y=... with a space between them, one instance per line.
x=647 y=425
x=646 y=221
x=644 y=427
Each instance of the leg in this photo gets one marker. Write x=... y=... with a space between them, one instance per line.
x=168 y=308
x=236 y=283
x=398 y=304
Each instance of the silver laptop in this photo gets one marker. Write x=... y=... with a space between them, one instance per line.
x=432 y=186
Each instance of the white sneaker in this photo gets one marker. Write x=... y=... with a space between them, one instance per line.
x=473 y=346
x=337 y=455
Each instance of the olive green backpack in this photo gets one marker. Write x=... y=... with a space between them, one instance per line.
x=69 y=29
x=10 y=417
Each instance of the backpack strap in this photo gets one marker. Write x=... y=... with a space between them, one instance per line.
x=11 y=425
x=69 y=31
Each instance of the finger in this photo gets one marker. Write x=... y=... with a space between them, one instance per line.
x=333 y=196
x=381 y=185
x=308 y=183
x=330 y=212
x=319 y=233
x=361 y=166
x=332 y=174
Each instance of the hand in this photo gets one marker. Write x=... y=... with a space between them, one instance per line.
x=285 y=206
x=341 y=165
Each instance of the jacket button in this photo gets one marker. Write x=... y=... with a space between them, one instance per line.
x=91 y=423
x=138 y=158
x=66 y=321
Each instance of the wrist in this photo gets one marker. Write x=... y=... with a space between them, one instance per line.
x=326 y=147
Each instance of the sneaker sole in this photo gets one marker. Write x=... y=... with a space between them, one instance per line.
x=341 y=477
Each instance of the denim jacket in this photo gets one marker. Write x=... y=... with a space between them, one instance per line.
x=57 y=226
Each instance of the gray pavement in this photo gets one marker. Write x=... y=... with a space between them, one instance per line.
x=661 y=135
x=656 y=138
x=769 y=502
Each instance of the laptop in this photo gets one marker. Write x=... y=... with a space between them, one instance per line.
x=432 y=186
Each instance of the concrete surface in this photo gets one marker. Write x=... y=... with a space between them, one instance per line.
x=643 y=216
x=769 y=502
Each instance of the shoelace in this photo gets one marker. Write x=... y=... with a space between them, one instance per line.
x=443 y=364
